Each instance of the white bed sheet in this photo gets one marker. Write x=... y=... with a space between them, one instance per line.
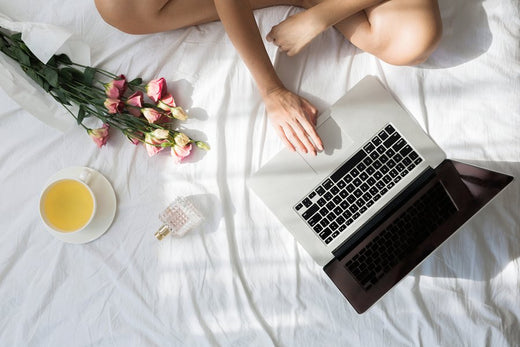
x=241 y=279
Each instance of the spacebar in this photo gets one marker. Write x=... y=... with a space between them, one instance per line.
x=349 y=165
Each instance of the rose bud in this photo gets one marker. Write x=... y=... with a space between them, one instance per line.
x=100 y=135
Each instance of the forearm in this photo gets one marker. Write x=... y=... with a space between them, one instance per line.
x=239 y=22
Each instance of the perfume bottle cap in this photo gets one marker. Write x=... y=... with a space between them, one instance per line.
x=162 y=232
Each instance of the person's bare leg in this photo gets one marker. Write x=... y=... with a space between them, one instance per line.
x=151 y=16
x=400 y=32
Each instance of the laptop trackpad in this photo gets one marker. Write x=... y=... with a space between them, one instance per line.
x=336 y=146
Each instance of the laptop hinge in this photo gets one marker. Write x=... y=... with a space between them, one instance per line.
x=350 y=243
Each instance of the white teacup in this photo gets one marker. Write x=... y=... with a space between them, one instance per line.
x=68 y=204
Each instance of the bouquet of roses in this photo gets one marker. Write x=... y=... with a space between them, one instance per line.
x=118 y=103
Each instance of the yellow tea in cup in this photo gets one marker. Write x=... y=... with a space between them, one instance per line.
x=67 y=205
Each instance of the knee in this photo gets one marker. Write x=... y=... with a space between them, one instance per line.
x=122 y=14
x=413 y=44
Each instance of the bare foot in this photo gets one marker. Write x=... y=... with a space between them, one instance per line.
x=294 y=33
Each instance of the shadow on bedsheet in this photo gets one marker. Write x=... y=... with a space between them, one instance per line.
x=466 y=33
x=488 y=242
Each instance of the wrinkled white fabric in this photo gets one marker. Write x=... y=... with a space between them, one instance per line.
x=241 y=279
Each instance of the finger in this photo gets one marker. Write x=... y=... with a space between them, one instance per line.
x=294 y=138
x=282 y=135
x=303 y=137
x=270 y=37
x=310 y=128
x=310 y=131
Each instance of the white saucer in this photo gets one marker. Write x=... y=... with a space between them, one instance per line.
x=105 y=210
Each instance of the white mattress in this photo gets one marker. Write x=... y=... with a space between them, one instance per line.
x=241 y=279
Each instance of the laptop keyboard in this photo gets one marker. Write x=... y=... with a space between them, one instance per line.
x=401 y=237
x=357 y=184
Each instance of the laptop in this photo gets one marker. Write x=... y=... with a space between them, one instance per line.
x=378 y=200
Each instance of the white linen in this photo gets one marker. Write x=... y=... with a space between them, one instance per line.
x=241 y=279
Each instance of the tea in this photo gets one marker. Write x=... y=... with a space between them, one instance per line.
x=67 y=205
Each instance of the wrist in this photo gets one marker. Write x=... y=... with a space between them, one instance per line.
x=270 y=90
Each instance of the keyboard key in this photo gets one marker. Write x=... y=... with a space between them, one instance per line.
x=399 y=144
x=325 y=233
x=391 y=140
x=327 y=184
x=320 y=190
x=310 y=211
x=389 y=129
x=382 y=135
x=307 y=202
x=299 y=206
x=369 y=147
x=315 y=219
x=345 y=168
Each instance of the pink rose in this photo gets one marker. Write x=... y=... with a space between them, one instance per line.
x=135 y=137
x=179 y=153
x=178 y=113
x=135 y=99
x=135 y=102
x=155 y=89
x=116 y=88
x=166 y=102
x=151 y=114
x=114 y=105
x=154 y=140
x=100 y=135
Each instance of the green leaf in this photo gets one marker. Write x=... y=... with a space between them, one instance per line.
x=51 y=76
x=81 y=115
x=71 y=74
x=23 y=58
x=17 y=37
x=136 y=82
x=63 y=59
x=61 y=97
x=88 y=75
x=34 y=76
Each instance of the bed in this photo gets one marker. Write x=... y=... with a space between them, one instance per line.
x=240 y=279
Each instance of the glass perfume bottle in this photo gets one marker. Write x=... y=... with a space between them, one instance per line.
x=178 y=218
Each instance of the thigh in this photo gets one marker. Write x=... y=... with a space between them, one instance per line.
x=150 y=16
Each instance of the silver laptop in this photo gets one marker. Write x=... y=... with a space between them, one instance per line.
x=379 y=198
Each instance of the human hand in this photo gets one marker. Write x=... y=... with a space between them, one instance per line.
x=294 y=119
x=295 y=32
